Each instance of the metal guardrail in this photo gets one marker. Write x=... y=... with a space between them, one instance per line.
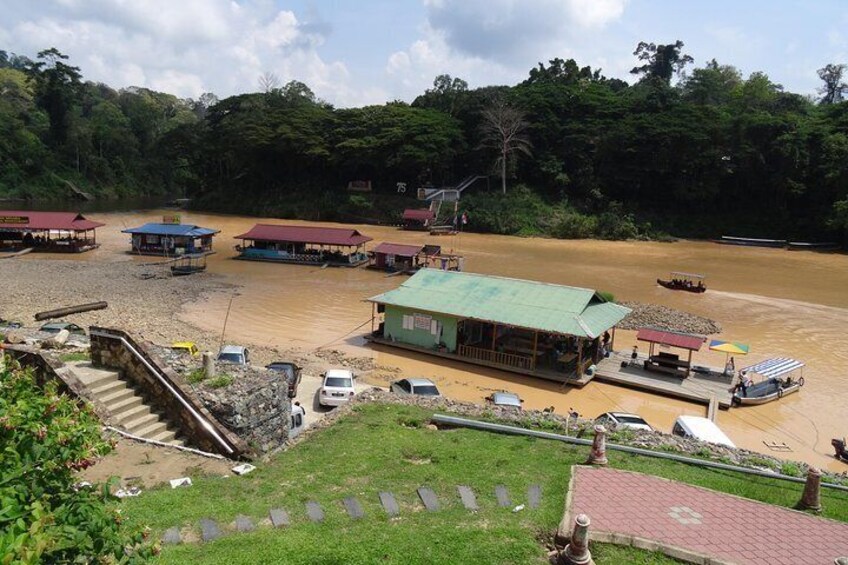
x=512 y=430
x=174 y=391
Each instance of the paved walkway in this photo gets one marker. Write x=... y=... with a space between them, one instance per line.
x=700 y=521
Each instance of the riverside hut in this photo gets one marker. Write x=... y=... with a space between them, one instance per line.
x=307 y=245
x=53 y=232
x=544 y=330
x=414 y=219
x=171 y=239
x=396 y=257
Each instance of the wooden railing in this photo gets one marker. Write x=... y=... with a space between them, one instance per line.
x=497 y=357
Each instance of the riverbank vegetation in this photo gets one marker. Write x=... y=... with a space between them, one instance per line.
x=389 y=447
x=576 y=153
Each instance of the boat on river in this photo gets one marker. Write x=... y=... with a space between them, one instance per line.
x=839 y=446
x=779 y=380
x=750 y=241
x=688 y=282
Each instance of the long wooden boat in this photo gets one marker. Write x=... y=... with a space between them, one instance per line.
x=814 y=246
x=676 y=286
x=766 y=391
x=751 y=241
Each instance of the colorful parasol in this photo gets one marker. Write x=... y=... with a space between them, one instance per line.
x=729 y=347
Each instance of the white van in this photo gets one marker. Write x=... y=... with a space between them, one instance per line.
x=298 y=420
x=700 y=428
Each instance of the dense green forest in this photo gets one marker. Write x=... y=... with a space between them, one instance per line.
x=686 y=150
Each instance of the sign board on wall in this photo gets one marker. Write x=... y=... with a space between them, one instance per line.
x=171 y=219
x=422 y=322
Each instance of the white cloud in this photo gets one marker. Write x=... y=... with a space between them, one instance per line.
x=184 y=47
x=498 y=41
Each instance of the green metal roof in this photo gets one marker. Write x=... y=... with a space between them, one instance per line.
x=514 y=302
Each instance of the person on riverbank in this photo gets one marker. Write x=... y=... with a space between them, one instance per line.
x=730 y=367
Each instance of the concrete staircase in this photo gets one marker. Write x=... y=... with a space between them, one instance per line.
x=129 y=410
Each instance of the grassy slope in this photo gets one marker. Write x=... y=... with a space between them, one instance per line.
x=384 y=447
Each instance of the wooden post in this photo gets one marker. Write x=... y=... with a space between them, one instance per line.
x=535 y=343
x=494 y=335
x=579 y=357
x=373 y=314
x=689 y=368
x=612 y=341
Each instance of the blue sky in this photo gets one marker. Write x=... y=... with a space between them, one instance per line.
x=355 y=52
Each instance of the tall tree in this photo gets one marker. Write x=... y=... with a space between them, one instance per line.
x=834 y=88
x=56 y=88
x=661 y=62
x=504 y=129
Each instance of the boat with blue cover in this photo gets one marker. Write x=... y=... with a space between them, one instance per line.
x=779 y=379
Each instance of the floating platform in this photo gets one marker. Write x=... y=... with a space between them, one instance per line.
x=700 y=388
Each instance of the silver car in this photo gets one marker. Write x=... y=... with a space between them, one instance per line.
x=235 y=354
x=421 y=387
x=505 y=399
x=624 y=420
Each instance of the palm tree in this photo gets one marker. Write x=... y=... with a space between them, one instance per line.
x=503 y=129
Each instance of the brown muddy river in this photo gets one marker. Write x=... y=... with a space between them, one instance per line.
x=782 y=303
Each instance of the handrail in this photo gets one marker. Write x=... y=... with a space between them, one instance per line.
x=497 y=357
x=197 y=416
x=500 y=428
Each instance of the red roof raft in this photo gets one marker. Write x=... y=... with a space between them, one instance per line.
x=418 y=219
x=667 y=362
x=306 y=245
x=403 y=258
x=54 y=232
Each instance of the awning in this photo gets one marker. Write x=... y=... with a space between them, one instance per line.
x=774 y=367
x=399 y=249
x=674 y=339
x=688 y=275
x=732 y=347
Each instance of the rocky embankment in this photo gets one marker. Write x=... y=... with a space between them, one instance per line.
x=580 y=427
x=665 y=318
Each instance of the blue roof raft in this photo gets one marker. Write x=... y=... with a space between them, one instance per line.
x=172 y=230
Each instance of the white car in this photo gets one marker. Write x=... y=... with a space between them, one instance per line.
x=337 y=388
x=624 y=420
x=505 y=399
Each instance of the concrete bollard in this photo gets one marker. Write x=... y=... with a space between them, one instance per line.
x=598 y=456
x=208 y=364
x=577 y=551
x=811 y=499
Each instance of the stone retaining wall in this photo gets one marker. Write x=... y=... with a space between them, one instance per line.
x=110 y=352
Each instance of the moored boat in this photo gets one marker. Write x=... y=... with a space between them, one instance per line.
x=778 y=381
x=750 y=241
x=839 y=446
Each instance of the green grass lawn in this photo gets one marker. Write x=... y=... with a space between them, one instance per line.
x=386 y=447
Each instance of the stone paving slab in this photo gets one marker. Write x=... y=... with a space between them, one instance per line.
x=428 y=497
x=354 y=509
x=314 y=511
x=209 y=530
x=172 y=536
x=623 y=505
x=389 y=503
x=503 y=496
x=469 y=500
x=279 y=517
x=534 y=496
x=244 y=524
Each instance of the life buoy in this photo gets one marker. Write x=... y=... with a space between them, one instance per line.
x=801 y=381
x=780 y=393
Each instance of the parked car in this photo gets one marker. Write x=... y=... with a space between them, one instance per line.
x=292 y=372
x=423 y=387
x=700 y=428
x=185 y=347
x=298 y=420
x=56 y=327
x=624 y=420
x=235 y=354
x=505 y=399
x=337 y=388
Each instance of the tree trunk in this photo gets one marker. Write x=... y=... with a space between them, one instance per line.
x=503 y=172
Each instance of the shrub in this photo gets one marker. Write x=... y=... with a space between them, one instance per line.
x=221 y=381
x=76 y=356
x=47 y=437
x=606 y=295
x=791 y=469
x=615 y=223
x=196 y=376
x=574 y=225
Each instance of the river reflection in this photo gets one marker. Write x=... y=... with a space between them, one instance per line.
x=782 y=303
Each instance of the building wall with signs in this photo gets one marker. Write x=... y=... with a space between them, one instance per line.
x=420 y=328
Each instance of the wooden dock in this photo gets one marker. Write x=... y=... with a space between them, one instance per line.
x=711 y=390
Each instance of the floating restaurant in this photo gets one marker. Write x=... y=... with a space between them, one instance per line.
x=171 y=238
x=307 y=245
x=414 y=219
x=54 y=232
x=396 y=257
x=544 y=330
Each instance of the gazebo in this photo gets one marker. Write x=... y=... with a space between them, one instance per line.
x=669 y=363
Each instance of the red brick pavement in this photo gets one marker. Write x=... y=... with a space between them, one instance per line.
x=702 y=521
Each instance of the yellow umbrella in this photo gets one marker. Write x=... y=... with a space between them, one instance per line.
x=729 y=347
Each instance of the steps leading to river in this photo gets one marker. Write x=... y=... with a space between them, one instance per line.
x=129 y=411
